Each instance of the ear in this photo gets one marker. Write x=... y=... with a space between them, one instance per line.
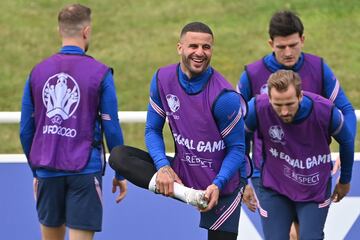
x=86 y=32
x=271 y=43
x=302 y=40
x=179 y=48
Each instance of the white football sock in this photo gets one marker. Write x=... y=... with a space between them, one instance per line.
x=185 y=194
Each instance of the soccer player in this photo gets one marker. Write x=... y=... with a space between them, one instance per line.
x=69 y=101
x=287 y=41
x=205 y=115
x=296 y=129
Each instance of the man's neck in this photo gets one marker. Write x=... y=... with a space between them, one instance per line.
x=73 y=42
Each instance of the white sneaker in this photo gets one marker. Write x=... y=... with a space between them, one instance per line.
x=196 y=198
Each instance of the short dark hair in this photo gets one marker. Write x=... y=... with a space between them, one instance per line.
x=72 y=19
x=196 y=27
x=285 y=23
x=282 y=79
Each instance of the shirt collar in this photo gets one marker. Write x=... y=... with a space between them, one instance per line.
x=195 y=84
x=72 y=50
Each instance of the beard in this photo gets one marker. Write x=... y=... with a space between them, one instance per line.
x=191 y=66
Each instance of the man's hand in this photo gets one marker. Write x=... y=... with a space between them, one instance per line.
x=249 y=198
x=212 y=193
x=122 y=184
x=340 y=192
x=165 y=181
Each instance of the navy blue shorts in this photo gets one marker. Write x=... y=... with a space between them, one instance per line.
x=278 y=212
x=225 y=215
x=75 y=201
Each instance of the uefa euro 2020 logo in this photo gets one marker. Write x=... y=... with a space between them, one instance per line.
x=173 y=102
x=61 y=96
x=276 y=134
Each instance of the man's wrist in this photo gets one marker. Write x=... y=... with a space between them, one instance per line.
x=218 y=184
x=162 y=163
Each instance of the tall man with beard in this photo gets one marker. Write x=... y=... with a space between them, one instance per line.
x=286 y=32
x=205 y=116
x=296 y=127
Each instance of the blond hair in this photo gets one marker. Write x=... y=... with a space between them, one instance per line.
x=282 y=79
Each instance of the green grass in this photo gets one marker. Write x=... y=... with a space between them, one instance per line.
x=136 y=37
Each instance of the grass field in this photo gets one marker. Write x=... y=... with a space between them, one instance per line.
x=136 y=37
